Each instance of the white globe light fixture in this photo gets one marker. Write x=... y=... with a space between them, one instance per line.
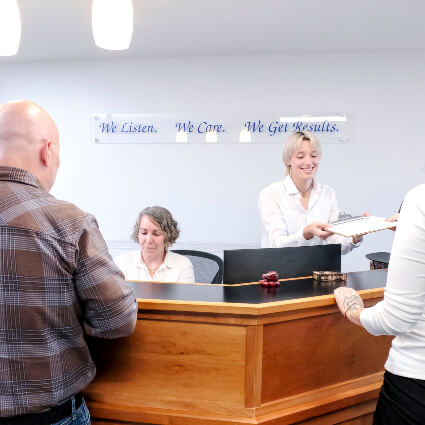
x=112 y=23
x=10 y=27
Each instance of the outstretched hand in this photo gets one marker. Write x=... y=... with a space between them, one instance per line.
x=318 y=229
x=393 y=218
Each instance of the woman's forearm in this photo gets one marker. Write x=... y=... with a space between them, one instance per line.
x=349 y=303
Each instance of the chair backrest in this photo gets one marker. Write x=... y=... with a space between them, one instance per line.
x=208 y=267
x=247 y=265
x=378 y=260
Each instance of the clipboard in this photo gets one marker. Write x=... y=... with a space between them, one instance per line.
x=358 y=226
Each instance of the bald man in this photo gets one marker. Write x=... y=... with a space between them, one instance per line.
x=58 y=282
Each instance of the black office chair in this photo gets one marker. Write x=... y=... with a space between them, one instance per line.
x=208 y=267
x=247 y=265
x=378 y=260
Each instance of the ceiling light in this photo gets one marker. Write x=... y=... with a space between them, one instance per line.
x=245 y=136
x=211 y=137
x=112 y=23
x=181 y=136
x=10 y=27
x=308 y=118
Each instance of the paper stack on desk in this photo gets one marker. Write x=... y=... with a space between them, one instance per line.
x=361 y=226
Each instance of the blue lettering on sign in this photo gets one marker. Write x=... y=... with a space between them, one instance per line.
x=324 y=127
x=129 y=127
x=271 y=128
x=254 y=126
x=185 y=126
x=275 y=127
x=205 y=126
x=108 y=127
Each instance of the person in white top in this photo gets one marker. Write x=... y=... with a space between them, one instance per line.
x=401 y=313
x=298 y=210
x=155 y=230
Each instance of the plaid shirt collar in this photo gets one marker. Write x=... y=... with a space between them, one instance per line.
x=19 y=176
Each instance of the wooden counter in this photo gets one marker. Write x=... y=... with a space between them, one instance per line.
x=241 y=354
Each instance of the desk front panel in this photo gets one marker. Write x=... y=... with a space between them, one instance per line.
x=212 y=354
x=308 y=354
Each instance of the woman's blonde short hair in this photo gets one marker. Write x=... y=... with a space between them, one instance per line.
x=294 y=141
x=165 y=221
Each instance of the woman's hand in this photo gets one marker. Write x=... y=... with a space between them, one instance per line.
x=393 y=218
x=350 y=304
x=316 y=229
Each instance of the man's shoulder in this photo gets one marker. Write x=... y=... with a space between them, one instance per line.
x=20 y=198
x=66 y=216
x=67 y=210
x=43 y=213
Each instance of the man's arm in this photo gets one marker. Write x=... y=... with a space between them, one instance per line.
x=108 y=303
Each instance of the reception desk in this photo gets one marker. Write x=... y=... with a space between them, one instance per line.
x=241 y=354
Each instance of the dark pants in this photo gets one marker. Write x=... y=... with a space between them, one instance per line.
x=401 y=401
x=70 y=412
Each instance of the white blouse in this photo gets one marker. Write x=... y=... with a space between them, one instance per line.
x=402 y=312
x=175 y=268
x=284 y=217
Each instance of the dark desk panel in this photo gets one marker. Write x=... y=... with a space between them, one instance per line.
x=255 y=293
x=243 y=265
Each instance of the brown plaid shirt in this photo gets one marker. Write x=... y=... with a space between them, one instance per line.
x=57 y=283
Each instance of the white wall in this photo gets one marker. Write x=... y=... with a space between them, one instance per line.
x=211 y=189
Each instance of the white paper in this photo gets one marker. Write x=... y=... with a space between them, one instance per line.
x=361 y=226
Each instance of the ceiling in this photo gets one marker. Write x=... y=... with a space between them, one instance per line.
x=61 y=29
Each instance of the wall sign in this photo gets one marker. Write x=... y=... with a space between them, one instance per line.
x=175 y=128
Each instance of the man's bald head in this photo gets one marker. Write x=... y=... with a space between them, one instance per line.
x=24 y=121
x=29 y=139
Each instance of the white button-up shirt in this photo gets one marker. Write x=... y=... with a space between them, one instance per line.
x=402 y=312
x=175 y=268
x=284 y=217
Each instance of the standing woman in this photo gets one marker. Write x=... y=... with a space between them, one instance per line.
x=298 y=210
x=155 y=231
x=401 y=313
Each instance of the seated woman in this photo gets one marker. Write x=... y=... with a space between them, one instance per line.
x=298 y=210
x=155 y=230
